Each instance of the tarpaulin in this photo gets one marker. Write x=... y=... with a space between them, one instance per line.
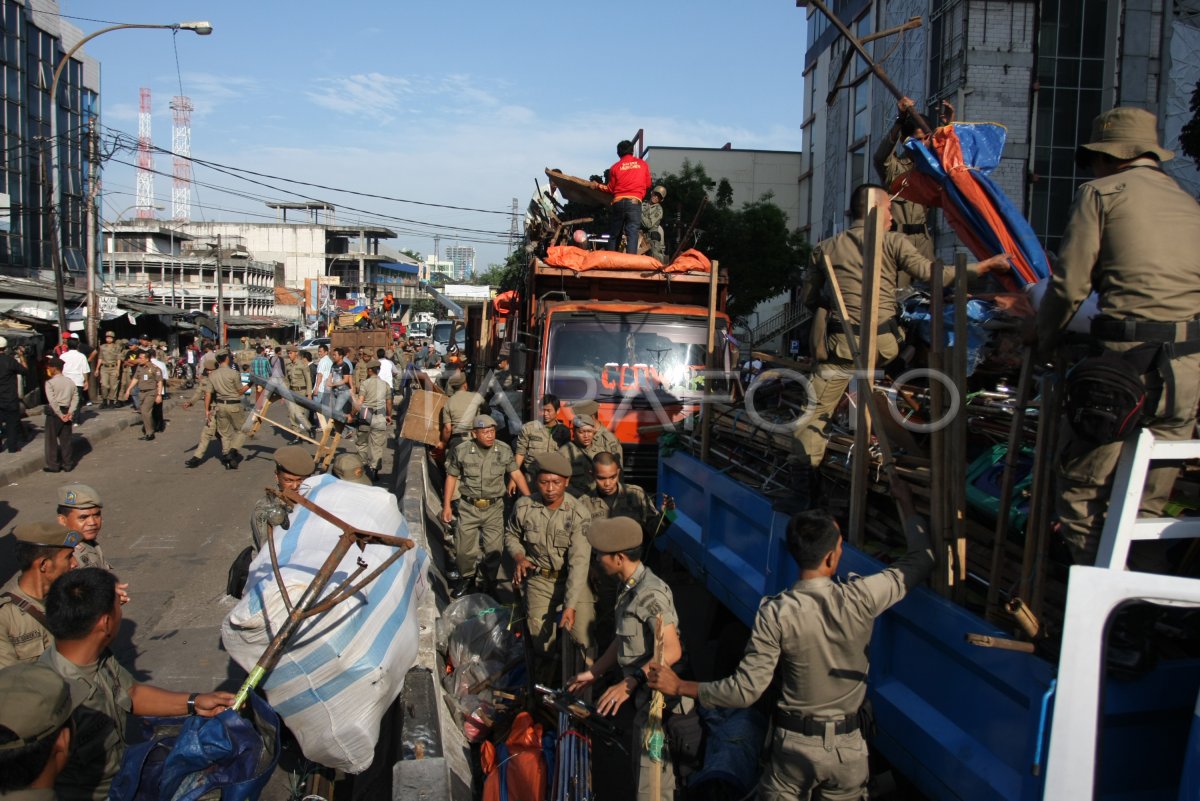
x=572 y=258
x=951 y=173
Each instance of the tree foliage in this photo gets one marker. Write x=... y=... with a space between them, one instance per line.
x=758 y=253
x=504 y=276
x=1189 y=137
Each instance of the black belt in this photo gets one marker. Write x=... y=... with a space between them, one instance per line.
x=481 y=503
x=228 y=401
x=888 y=327
x=913 y=229
x=1145 y=330
x=813 y=727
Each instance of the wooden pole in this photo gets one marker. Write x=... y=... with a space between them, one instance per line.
x=958 y=474
x=937 y=438
x=710 y=366
x=872 y=261
x=655 y=737
x=1042 y=489
x=1052 y=397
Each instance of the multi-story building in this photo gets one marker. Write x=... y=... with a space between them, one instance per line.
x=462 y=257
x=33 y=40
x=1042 y=68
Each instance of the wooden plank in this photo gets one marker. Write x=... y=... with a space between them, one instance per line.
x=868 y=348
x=578 y=190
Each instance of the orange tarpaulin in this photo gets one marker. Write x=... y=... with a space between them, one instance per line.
x=570 y=257
x=521 y=761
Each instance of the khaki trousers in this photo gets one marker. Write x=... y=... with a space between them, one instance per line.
x=146 y=407
x=230 y=419
x=479 y=540
x=372 y=440
x=206 y=436
x=804 y=767
x=110 y=381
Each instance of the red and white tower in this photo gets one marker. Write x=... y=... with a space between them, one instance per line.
x=181 y=147
x=145 y=160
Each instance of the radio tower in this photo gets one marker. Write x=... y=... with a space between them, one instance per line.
x=145 y=161
x=181 y=146
x=513 y=232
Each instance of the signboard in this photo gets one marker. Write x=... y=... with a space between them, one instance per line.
x=108 y=304
x=795 y=347
x=467 y=291
x=330 y=280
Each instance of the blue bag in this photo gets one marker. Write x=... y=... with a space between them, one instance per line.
x=185 y=758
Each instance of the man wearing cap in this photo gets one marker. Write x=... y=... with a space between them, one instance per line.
x=83 y=612
x=644 y=604
x=911 y=219
x=299 y=380
x=108 y=370
x=35 y=740
x=580 y=451
x=1133 y=237
x=203 y=393
x=349 y=467
x=475 y=473
x=547 y=539
x=62 y=401
x=293 y=464
x=10 y=399
x=227 y=390
x=459 y=412
x=371 y=437
x=814 y=637
x=80 y=509
x=605 y=440
x=614 y=498
x=652 y=215
x=540 y=436
x=44 y=552
x=148 y=381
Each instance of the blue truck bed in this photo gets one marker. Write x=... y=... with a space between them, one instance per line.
x=959 y=721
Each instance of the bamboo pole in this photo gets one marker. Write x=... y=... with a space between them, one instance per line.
x=958 y=473
x=710 y=365
x=868 y=323
x=937 y=438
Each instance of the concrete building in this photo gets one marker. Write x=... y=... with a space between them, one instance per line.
x=1042 y=68
x=33 y=40
x=462 y=257
x=751 y=174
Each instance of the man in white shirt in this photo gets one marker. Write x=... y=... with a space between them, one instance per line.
x=76 y=368
x=387 y=368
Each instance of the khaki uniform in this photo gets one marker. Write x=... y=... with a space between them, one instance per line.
x=227 y=407
x=817 y=634
x=22 y=636
x=372 y=439
x=126 y=372
x=534 y=438
x=203 y=388
x=642 y=599
x=481 y=474
x=360 y=372
x=555 y=541
x=98 y=744
x=629 y=500
x=911 y=219
x=831 y=376
x=110 y=371
x=88 y=554
x=268 y=511
x=147 y=379
x=652 y=214
x=606 y=440
x=299 y=381
x=460 y=413
x=1134 y=238
x=582 y=481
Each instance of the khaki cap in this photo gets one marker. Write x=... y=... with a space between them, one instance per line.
x=659 y=190
x=554 y=463
x=456 y=380
x=295 y=460
x=108 y=335
x=614 y=534
x=37 y=702
x=484 y=421
x=50 y=533
x=373 y=364
x=584 y=421
x=585 y=407
x=1123 y=133
x=349 y=467
x=79 y=496
x=209 y=362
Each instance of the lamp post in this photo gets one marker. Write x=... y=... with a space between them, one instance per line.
x=199 y=28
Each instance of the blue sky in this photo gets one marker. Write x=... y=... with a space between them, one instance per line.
x=458 y=103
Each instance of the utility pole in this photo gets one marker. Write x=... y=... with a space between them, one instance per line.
x=220 y=294
x=93 y=301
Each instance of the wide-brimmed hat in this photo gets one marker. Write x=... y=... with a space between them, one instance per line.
x=1123 y=133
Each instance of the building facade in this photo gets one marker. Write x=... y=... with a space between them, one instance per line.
x=33 y=40
x=1042 y=68
x=462 y=259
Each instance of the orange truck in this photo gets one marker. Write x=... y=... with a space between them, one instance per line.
x=633 y=340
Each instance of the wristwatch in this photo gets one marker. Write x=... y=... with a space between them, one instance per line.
x=191 y=703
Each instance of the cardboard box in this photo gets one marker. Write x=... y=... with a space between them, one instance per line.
x=423 y=419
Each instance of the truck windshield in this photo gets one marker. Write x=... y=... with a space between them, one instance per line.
x=613 y=355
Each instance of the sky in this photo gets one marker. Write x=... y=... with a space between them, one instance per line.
x=458 y=103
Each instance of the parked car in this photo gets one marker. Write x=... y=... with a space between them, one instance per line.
x=314 y=343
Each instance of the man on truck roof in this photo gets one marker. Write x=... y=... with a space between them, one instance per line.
x=628 y=181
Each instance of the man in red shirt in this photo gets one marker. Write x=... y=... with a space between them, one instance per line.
x=628 y=181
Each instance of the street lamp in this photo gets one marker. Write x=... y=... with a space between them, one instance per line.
x=199 y=28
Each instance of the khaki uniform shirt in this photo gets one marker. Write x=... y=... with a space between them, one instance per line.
x=98 y=745
x=533 y=439
x=889 y=167
x=1133 y=237
x=818 y=631
x=582 y=481
x=226 y=384
x=643 y=597
x=147 y=378
x=298 y=378
x=22 y=637
x=461 y=410
x=629 y=500
x=375 y=393
x=111 y=354
x=88 y=554
x=552 y=539
x=481 y=472
x=360 y=372
x=606 y=440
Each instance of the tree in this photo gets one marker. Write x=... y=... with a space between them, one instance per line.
x=753 y=245
x=412 y=254
x=505 y=276
x=1189 y=137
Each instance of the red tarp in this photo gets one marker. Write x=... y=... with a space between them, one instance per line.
x=570 y=257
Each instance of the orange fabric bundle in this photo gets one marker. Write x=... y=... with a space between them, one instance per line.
x=524 y=765
x=570 y=257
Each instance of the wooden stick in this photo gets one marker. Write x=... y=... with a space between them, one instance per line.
x=988 y=641
x=868 y=323
x=1042 y=489
x=937 y=438
x=655 y=739
x=710 y=365
x=1050 y=419
x=958 y=473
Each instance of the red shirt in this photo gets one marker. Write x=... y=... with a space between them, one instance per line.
x=629 y=178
